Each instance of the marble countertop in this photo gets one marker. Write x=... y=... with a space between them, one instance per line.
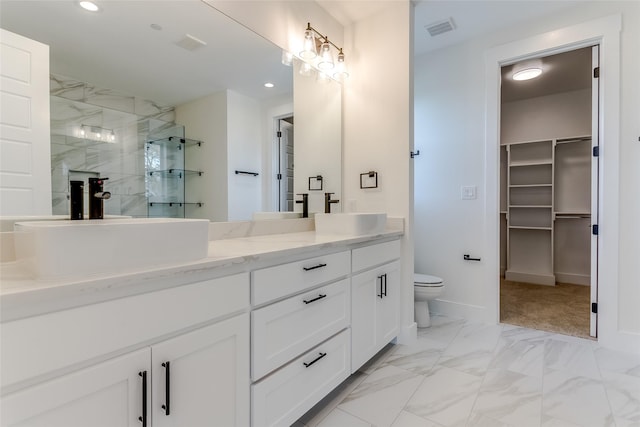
x=22 y=296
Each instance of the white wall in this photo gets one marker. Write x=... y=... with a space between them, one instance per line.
x=317 y=139
x=205 y=119
x=378 y=127
x=450 y=127
x=562 y=115
x=244 y=152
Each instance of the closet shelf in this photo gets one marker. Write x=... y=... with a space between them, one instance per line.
x=525 y=227
x=531 y=206
x=529 y=185
x=523 y=163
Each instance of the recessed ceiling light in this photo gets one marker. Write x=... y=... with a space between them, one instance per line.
x=527 y=74
x=269 y=85
x=89 y=5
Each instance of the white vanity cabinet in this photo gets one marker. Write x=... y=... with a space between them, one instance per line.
x=375 y=294
x=112 y=393
x=208 y=360
x=300 y=341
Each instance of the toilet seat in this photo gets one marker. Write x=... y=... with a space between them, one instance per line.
x=427 y=281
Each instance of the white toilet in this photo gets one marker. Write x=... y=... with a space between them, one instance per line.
x=426 y=288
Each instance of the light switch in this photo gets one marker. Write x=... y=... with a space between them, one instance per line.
x=468 y=192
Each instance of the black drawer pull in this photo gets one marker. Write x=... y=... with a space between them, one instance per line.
x=315 y=299
x=314 y=267
x=167 y=388
x=143 y=418
x=306 y=365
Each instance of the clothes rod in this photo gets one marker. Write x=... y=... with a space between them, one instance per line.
x=246 y=173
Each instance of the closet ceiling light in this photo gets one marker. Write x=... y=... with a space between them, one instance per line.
x=527 y=74
x=89 y=5
x=269 y=85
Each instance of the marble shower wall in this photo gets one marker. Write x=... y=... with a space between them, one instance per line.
x=75 y=103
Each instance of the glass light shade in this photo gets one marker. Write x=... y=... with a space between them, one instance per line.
x=305 y=69
x=287 y=58
x=527 y=74
x=309 y=46
x=326 y=58
x=340 y=72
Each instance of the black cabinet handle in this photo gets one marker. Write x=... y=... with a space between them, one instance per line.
x=315 y=299
x=167 y=388
x=380 y=294
x=306 y=365
x=385 y=284
x=143 y=418
x=314 y=267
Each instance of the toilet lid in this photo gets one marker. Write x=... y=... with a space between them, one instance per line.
x=427 y=280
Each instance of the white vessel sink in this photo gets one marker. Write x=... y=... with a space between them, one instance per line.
x=355 y=224
x=259 y=216
x=52 y=249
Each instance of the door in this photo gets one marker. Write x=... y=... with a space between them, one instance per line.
x=595 y=141
x=110 y=394
x=202 y=377
x=25 y=163
x=284 y=174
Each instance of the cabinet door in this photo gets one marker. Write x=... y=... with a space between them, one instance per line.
x=109 y=394
x=364 y=288
x=208 y=376
x=375 y=312
x=387 y=308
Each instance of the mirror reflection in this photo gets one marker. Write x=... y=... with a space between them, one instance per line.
x=173 y=109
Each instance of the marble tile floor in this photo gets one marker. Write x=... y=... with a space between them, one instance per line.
x=460 y=373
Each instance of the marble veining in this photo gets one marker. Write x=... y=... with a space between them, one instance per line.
x=533 y=378
x=75 y=103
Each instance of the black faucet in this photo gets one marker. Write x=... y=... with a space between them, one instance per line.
x=96 y=197
x=76 y=197
x=328 y=202
x=305 y=204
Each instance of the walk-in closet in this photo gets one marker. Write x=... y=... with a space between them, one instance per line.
x=546 y=168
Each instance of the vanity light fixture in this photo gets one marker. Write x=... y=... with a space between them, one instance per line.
x=324 y=60
x=96 y=133
x=89 y=5
x=527 y=74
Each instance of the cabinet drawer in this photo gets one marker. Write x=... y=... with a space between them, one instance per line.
x=282 y=398
x=92 y=331
x=283 y=330
x=272 y=283
x=373 y=255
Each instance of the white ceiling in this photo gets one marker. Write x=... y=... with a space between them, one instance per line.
x=116 y=48
x=475 y=18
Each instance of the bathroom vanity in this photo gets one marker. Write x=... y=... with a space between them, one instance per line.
x=254 y=334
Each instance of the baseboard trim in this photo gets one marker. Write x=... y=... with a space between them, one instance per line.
x=628 y=342
x=455 y=309
x=538 y=279
x=574 y=279
x=408 y=334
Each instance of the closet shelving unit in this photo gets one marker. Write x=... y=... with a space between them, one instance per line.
x=533 y=185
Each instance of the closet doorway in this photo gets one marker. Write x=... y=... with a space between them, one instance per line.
x=549 y=194
x=284 y=163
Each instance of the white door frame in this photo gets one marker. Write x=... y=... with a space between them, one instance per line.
x=606 y=33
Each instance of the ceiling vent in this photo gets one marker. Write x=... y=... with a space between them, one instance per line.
x=440 y=27
x=190 y=43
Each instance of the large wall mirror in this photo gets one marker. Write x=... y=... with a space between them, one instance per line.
x=136 y=74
